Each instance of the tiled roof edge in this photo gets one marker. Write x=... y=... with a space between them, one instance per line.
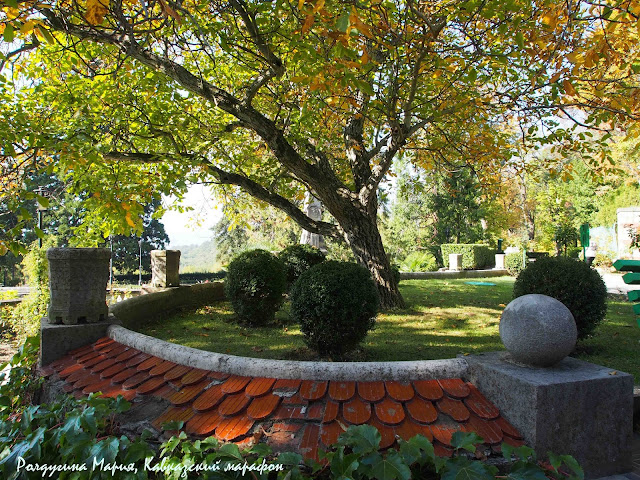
x=289 y=369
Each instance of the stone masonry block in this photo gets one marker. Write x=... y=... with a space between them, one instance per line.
x=165 y=265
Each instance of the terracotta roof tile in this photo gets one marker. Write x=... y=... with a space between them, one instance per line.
x=442 y=451
x=262 y=407
x=389 y=412
x=422 y=410
x=311 y=390
x=454 y=387
x=371 y=391
x=454 y=408
x=209 y=399
x=290 y=414
x=400 y=391
x=478 y=404
x=259 y=386
x=342 y=391
x=513 y=442
x=356 y=411
x=428 y=389
x=233 y=404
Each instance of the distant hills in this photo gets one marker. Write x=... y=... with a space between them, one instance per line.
x=198 y=258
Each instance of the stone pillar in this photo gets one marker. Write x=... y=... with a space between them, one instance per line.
x=455 y=261
x=78 y=312
x=78 y=282
x=313 y=211
x=499 y=261
x=165 y=265
x=627 y=219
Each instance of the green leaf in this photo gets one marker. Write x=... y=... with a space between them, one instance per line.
x=391 y=467
x=426 y=448
x=173 y=425
x=362 y=439
x=466 y=441
x=231 y=450
x=342 y=466
x=527 y=472
x=520 y=39
x=460 y=468
x=343 y=22
x=9 y=33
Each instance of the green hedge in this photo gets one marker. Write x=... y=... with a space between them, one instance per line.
x=474 y=255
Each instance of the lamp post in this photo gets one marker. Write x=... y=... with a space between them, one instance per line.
x=140 y=262
x=40 y=209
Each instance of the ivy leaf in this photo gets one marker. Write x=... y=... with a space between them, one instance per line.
x=461 y=468
x=391 y=467
x=342 y=466
x=362 y=439
x=231 y=450
x=106 y=450
x=466 y=441
x=526 y=472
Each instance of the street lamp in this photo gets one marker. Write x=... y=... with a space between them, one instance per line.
x=140 y=262
x=40 y=209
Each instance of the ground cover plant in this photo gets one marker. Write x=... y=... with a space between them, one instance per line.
x=443 y=318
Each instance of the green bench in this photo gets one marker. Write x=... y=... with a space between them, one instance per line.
x=631 y=278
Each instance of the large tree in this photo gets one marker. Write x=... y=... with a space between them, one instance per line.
x=282 y=97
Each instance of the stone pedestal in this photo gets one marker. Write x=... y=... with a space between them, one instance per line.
x=628 y=219
x=165 y=265
x=574 y=408
x=455 y=261
x=78 y=283
x=499 y=261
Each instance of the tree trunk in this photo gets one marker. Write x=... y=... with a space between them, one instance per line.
x=363 y=237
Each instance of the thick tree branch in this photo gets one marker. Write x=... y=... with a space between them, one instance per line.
x=228 y=178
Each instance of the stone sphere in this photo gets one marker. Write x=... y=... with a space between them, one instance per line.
x=538 y=330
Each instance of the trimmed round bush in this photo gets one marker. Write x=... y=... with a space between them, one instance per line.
x=255 y=286
x=336 y=304
x=514 y=263
x=572 y=282
x=297 y=259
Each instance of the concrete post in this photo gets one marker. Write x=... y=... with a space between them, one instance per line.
x=499 y=261
x=455 y=261
x=165 y=267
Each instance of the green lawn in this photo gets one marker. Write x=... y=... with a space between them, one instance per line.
x=443 y=318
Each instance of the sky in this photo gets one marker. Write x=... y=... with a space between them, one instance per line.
x=193 y=227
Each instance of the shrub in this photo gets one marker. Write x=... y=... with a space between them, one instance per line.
x=515 y=263
x=297 y=259
x=255 y=285
x=336 y=304
x=474 y=255
x=419 y=262
x=603 y=260
x=572 y=282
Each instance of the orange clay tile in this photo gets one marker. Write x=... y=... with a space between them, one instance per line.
x=110 y=362
x=86 y=380
x=259 y=386
x=294 y=413
x=187 y=394
x=209 y=399
x=315 y=413
x=124 y=375
x=286 y=387
x=69 y=370
x=100 y=386
x=203 y=423
x=262 y=407
x=162 y=368
x=94 y=361
x=217 y=376
x=443 y=433
x=173 y=414
x=63 y=363
x=115 y=391
x=422 y=410
x=46 y=371
x=310 y=390
x=487 y=429
x=454 y=408
x=371 y=391
x=114 y=351
x=194 y=376
x=77 y=375
x=399 y=391
x=295 y=399
x=165 y=391
x=441 y=451
x=356 y=411
x=428 y=389
x=478 y=404
x=330 y=432
x=151 y=385
x=454 y=387
x=309 y=442
x=127 y=355
x=86 y=357
x=408 y=429
x=233 y=404
x=112 y=371
x=507 y=428
x=513 y=442
x=389 y=412
x=234 y=427
x=330 y=411
x=79 y=352
x=176 y=373
x=135 y=380
x=342 y=391
x=137 y=360
x=387 y=434
x=149 y=363
x=235 y=384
